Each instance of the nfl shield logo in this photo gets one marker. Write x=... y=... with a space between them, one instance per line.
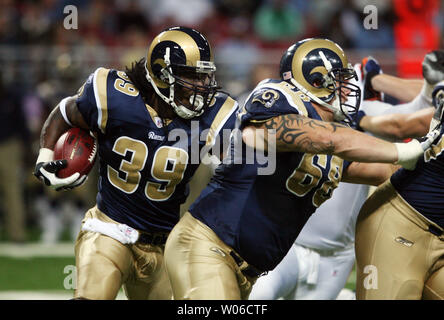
x=158 y=122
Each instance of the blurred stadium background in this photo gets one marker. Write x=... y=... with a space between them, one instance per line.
x=42 y=62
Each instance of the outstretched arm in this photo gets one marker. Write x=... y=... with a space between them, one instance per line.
x=368 y=173
x=296 y=133
x=399 y=126
x=404 y=90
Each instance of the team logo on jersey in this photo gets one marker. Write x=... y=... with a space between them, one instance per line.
x=153 y=136
x=267 y=97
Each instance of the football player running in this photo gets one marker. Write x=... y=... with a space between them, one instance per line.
x=400 y=228
x=244 y=223
x=144 y=167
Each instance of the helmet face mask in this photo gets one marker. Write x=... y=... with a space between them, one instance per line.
x=194 y=89
x=342 y=90
x=180 y=67
x=319 y=68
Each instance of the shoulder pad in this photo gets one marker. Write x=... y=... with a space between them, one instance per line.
x=109 y=94
x=92 y=101
x=272 y=98
x=221 y=115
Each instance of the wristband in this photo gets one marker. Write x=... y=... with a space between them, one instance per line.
x=45 y=155
x=408 y=153
x=62 y=108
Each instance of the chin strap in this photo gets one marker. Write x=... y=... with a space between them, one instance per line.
x=338 y=115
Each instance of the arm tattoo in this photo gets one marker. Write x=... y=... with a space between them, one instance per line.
x=293 y=133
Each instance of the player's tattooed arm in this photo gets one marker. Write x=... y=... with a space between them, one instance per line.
x=55 y=125
x=298 y=133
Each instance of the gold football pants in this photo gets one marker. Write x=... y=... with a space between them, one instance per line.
x=104 y=265
x=200 y=266
x=397 y=256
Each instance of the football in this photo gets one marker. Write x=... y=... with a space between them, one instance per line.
x=79 y=148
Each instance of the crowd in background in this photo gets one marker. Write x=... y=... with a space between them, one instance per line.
x=42 y=61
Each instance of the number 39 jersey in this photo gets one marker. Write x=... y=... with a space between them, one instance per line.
x=144 y=163
x=260 y=216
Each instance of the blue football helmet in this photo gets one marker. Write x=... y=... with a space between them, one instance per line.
x=320 y=69
x=180 y=67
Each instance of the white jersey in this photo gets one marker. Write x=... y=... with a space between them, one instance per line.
x=332 y=226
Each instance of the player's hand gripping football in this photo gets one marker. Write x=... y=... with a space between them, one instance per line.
x=46 y=170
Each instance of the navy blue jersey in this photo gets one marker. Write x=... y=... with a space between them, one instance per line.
x=260 y=216
x=423 y=188
x=145 y=164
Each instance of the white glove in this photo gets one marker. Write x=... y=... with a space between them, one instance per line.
x=46 y=169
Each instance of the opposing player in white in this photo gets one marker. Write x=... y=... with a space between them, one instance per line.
x=320 y=261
